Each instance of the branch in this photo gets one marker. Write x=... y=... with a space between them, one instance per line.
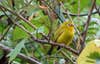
x=22 y=18
x=45 y=41
x=87 y=25
x=55 y=44
x=19 y=16
x=98 y=9
x=39 y=40
x=6 y=31
x=21 y=56
x=71 y=14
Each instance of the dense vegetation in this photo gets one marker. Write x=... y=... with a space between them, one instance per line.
x=27 y=27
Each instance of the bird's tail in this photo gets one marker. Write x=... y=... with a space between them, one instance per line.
x=50 y=50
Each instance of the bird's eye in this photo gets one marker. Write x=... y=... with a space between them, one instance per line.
x=70 y=25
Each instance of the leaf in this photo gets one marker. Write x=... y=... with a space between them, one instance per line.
x=98 y=2
x=74 y=5
x=18 y=34
x=41 y=29
x=94 y=55
x=90 y=53
x=12 y=55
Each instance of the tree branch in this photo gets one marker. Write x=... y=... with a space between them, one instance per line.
x=45 y=41
x=85 y=14
x=21 y=56
x=86 y=26
x=19 y=16
x=22 y=18
x=55 y=44
x=98 y=9
x=39 y=40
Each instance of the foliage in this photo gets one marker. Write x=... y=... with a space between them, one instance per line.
x=90 y=54
x=20 y=20
x=12 y=55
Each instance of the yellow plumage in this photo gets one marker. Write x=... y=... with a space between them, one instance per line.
x=64 y=33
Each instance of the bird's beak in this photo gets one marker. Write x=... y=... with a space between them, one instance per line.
x=71 y=25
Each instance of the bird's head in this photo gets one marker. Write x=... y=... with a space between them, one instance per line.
x=68 y=25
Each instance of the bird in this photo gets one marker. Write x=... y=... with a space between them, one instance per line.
x=64 y=34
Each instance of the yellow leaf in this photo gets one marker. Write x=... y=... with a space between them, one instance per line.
x=91 y=47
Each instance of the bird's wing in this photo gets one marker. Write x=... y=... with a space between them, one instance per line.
x=58 y=33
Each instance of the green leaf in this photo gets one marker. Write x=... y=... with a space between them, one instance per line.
x=12 y=55
x=98 y=2
x=18 y=34
x=94 y=56
x=74 y=5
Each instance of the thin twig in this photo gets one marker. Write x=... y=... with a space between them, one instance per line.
x=85 y=14
x=18 y=15
x=65 y=55
x=5 y=33
x=56 y=44
x=20 y=55
x=43 y=41
x=25 y=20
x=98 y=9
x=30 y=60
x=34 y=38
x=6 y=29
x=86 y=26
x=46 y=41
x=54 y=10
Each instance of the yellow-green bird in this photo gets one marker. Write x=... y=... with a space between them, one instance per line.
x=64 y=34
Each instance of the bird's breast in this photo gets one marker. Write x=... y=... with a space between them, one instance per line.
x=66 y=37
